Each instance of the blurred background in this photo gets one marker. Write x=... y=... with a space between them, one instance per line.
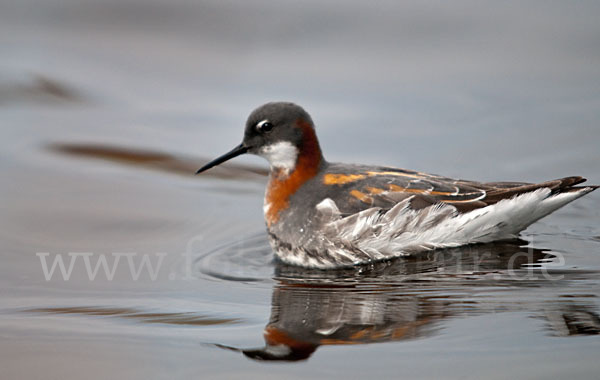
x=101 y=101
x=504 y=85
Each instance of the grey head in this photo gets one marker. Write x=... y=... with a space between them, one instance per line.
x=277 y=131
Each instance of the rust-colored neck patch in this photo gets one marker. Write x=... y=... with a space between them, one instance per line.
x=299 y=349
x=274 y=337
x=283 y=185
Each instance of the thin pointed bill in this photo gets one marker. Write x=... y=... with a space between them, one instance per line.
x=238 y=150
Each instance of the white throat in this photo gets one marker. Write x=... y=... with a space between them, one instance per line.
x=281 y=155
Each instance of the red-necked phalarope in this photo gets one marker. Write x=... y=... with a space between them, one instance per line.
x=328 y=215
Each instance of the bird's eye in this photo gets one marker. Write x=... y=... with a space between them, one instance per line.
x=264 y=126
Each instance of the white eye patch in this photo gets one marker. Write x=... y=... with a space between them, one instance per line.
x=260 y=124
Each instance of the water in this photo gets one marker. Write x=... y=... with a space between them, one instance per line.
x=109 y=107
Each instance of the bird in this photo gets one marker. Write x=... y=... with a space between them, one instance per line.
x=327 y=215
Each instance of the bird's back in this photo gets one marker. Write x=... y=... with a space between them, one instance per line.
x=352 y=213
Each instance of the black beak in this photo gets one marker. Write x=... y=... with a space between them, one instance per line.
x=240 y=149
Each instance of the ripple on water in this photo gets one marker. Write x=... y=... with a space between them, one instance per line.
x=251 y=259
x=169 y=318
x=246 y=260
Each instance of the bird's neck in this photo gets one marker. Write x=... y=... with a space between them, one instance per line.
x=285 y=180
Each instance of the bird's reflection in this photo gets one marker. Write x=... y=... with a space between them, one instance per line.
x=406 y=299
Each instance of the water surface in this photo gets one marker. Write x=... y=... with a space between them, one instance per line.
x=108 y=108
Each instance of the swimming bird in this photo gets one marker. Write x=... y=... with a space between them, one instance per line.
x=328 y=215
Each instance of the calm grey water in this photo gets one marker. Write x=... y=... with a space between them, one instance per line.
x=108 y=107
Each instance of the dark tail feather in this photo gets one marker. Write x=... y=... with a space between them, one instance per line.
x=557 y=186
